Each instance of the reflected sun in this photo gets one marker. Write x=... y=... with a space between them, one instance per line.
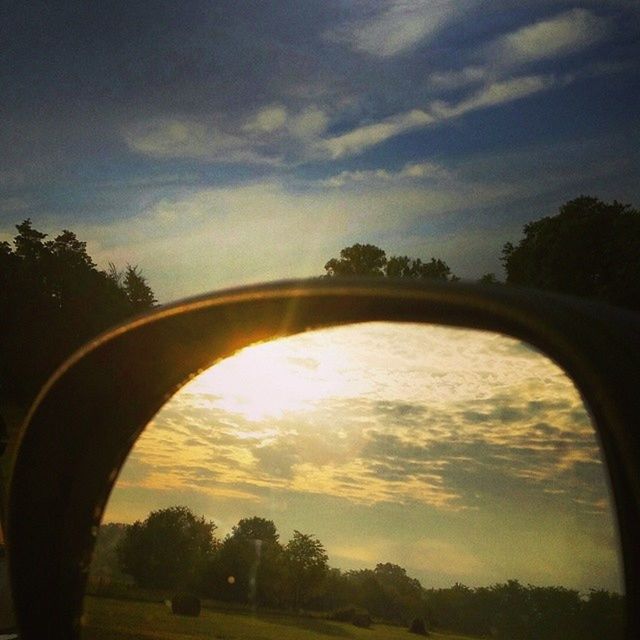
x=270 y=379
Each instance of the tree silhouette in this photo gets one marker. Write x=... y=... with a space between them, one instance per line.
x=358 y=260
x=369 y=260
x=590 y=248
x=53 y=298
x=138 y=291
x=248 y=565
x=306 y=565
x=168 y=549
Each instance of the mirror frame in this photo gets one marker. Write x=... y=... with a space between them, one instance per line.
x=88 y=416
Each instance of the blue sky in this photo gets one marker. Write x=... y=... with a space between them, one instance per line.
x=220 y=143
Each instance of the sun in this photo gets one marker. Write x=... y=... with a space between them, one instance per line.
x=270 y=379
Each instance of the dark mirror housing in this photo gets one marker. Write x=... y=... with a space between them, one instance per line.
x=86 y=419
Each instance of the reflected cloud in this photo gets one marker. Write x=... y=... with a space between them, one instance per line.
x=468 y=426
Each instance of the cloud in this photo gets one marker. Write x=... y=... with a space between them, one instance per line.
x=369 y=135
x=399 y=27
x=410 y=171
x=271 y=135
x=562 y=35
x=177 y=138
x=494 y=94
x=267 y=120
x=309 y=123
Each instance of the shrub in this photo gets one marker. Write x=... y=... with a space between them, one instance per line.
x=184 y=604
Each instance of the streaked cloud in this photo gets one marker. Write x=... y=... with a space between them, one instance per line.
x=493 y=94
x=369 y=135
x=398 y=25
x=564 y=34
x=410 y=171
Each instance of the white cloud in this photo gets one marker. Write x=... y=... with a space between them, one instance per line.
x=309 y=123
x=176 y=138
x=267 y=120
x=411 y=171
x=402 y=25
x=561 y=35
x=271 y=135
x=361 y=138
x=494 y=94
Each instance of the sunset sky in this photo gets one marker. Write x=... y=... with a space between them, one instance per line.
x=462 y=456
x=221 y=143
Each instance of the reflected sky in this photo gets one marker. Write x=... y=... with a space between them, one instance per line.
x=460 y=455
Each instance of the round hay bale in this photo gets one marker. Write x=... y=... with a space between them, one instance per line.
x=361 y=619
x=418 y=626
x=185 y=604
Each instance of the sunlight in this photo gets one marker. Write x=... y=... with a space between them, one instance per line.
x=270 y=379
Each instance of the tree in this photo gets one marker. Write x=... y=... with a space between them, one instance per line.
x=369 y=260
x=138 y=291
x=256 y=528
x=168 y=550
x=358 y=260
x=488 y=278
x=590 y=248
x=306 y=565
x=53 y=298
x=405 y=267
x=247 y=567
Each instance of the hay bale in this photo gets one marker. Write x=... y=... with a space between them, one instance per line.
x=185 y=604
x=362 y=619
x=418 y=626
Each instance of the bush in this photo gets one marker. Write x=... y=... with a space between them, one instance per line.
x=418 y=626
x=184 y=604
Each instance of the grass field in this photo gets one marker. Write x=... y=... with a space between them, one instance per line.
x=108 y=619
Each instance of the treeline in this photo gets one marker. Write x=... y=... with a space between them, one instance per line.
x=53 y=298
x=588 y=249
x=175 y=550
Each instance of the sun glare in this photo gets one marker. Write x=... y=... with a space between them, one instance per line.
x=273 y=378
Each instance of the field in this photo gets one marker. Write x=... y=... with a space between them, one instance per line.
x=108 y=619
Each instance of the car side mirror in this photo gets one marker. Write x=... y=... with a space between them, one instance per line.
x=86 y=420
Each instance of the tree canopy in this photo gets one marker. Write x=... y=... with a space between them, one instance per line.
x=306 y=565
x=590 y=248
x=168 y=549
x=370 y=260
x=53 y=298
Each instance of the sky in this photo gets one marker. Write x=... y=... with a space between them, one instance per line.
x=462 y=456
x=221 y=143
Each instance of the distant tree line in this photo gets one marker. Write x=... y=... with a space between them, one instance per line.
x=175 y=550
x=588 y=249
x=53 y=298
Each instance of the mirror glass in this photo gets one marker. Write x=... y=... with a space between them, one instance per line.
x=368 y=479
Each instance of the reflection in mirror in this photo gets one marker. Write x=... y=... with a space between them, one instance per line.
x=377 y=475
